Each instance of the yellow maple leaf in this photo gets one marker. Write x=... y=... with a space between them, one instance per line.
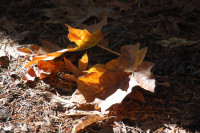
x=82 y=38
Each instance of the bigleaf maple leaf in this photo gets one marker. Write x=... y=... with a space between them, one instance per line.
x=82 y=38
x=109 y=84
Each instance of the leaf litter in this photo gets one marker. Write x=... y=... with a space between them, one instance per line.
x=49 y=95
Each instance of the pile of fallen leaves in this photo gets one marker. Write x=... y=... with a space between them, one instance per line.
x=83 y=88
x=101 y=87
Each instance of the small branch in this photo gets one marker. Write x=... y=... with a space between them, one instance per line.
x=108 y=49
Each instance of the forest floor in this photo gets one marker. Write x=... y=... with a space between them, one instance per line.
x=170 y=30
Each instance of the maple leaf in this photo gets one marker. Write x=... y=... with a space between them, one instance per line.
x=85 y=121
x=44 y=69
x=105 y=85
x=101 y=84
x=143 y=76
x=130 y=58
x=48 y=67
x=82 y=65
x=82 y=38
x=71 y=67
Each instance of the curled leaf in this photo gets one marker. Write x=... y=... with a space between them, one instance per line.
x=106 y=85
x=44 y=69
x=70 y=66
x=83 y=63
x=82 y=38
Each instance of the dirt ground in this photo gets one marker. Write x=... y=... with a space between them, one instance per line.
x=170 y=30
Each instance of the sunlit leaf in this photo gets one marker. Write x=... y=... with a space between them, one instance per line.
x=83 y=63
x=106 y=85
x=82 y=38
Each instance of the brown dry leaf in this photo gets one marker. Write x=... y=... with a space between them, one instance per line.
x=82 y=38
x=70 y=66
x=176 y=42
x=110 y=84
x=120 y=93
x=70 y=78
x=113 y=65
x=131 y=57
x=143 y=76
x=4 y=61
x=83 y=63
x=77 y=97
x=85 y=121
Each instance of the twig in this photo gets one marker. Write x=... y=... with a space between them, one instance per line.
x=108 y=49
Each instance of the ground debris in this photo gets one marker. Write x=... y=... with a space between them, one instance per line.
x=169 y=28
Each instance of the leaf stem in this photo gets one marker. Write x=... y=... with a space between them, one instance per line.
x=108 y=49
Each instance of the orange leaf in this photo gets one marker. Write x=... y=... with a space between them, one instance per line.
x=49 y=66
x=25 y=50
x=82 y=38
x=110 y=84
x=31 y=72
x=30 y=76
x=34 y=60
x=101 y=83
x=83 y=63
x=50 y=56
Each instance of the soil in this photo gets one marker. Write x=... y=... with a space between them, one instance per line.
x=170 y=30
